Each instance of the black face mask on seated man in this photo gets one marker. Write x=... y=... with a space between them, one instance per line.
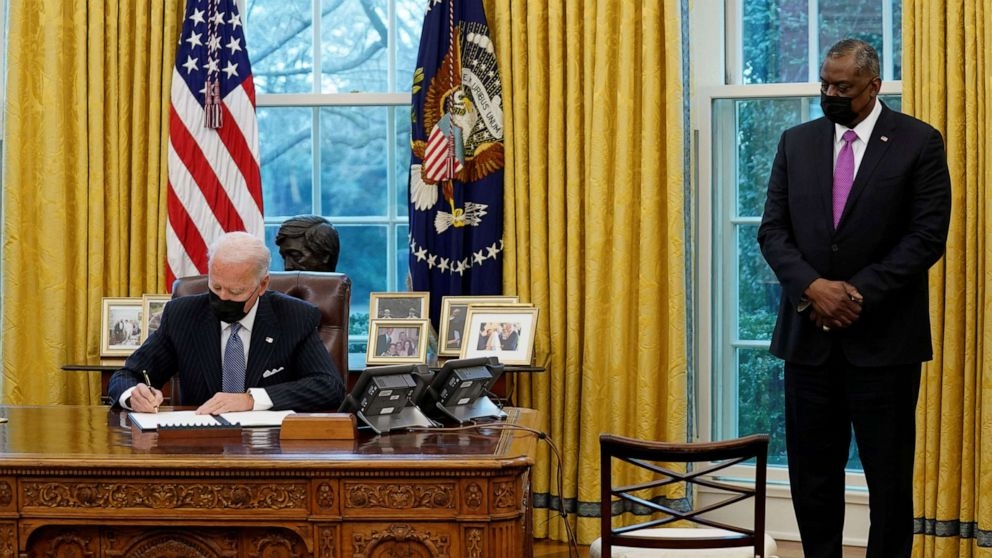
x=228 y=311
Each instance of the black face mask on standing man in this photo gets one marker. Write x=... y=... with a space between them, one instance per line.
x=838 y=109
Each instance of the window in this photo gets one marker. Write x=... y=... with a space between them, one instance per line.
x=769 y=83
x=332 y=81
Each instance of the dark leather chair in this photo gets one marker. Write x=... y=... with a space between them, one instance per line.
x=329 y=292
x=686 y=527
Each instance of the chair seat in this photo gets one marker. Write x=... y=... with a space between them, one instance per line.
x=771 y=548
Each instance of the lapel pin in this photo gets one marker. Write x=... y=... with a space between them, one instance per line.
x=268 y=339
x=884 y=138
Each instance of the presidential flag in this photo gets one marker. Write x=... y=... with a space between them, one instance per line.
x=214 y=180
x=456 y=168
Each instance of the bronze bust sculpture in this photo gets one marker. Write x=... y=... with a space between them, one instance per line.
x=308 y=243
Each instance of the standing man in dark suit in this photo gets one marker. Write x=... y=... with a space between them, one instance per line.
x=283 y=363
x=853 y=324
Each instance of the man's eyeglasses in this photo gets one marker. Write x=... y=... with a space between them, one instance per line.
x=843 y=88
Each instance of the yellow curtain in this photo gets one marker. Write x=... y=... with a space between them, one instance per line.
x=947 y=79
x=85 y=180
x=595 y=229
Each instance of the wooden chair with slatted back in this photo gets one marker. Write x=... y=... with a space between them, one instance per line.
x=681 y=528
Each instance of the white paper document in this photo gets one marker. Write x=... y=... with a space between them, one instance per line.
x=187 y=419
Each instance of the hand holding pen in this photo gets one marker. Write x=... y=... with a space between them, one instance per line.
x=145 y=398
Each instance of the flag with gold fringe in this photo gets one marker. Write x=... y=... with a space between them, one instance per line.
x=214 y=181
x=456 y=168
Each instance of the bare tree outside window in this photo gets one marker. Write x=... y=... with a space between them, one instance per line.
x=333 y=79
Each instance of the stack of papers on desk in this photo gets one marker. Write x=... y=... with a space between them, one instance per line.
x=189 y=419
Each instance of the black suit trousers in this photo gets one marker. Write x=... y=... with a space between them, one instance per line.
x=823 y=403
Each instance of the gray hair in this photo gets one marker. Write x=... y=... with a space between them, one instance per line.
x=865 y=56
x=240 y=246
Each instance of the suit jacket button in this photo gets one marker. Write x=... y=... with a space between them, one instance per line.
x=834 y=248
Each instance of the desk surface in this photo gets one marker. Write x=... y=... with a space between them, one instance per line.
x=81 y=473
x=93 y=434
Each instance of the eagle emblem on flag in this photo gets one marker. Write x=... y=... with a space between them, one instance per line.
x=456 y=157
x=462 y=121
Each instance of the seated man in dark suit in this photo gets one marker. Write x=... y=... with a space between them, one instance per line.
x=277 y=360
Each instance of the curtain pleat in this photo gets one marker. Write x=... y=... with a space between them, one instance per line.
x=85 y=139
x=946 y=79
x=595 y=230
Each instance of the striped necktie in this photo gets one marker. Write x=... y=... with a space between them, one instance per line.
x=234 y=362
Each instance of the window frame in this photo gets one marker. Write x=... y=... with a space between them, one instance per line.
x=393 y=218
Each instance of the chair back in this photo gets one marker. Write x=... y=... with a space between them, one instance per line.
x=686 y=465
x=329 y=292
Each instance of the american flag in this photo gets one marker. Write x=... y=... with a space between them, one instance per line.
x=442 y=159
x=214 y=180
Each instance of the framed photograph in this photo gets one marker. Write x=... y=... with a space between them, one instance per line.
x=504 y=332
x=399 y=306
x=151 y=313
x=120 y=326
x=454 y=309
x=397 y=341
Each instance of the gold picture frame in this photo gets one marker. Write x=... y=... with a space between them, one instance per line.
x=120 y=326
x=152 y=306
x=402 y=341
x=505 y=332
x=413 y=305
x=454 y=310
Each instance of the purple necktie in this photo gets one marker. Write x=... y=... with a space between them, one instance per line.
x=843 y=174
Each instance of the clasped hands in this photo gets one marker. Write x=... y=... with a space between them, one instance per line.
x=146 y=399
x=834 y=304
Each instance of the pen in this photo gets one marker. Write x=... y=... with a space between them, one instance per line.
x=148 y=382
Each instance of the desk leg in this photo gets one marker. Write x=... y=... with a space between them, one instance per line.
x=326 y=541
x=8 y=539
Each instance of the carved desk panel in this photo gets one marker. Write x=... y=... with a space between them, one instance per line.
x=77 y=481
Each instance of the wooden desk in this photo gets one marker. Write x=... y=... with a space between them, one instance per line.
x=77 y=481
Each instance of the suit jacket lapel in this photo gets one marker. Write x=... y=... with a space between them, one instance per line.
x=207 y=343
x=263 y=333
x=823 y=170
x=875 y=150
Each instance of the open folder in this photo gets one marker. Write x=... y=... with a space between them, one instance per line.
x=189 y=419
